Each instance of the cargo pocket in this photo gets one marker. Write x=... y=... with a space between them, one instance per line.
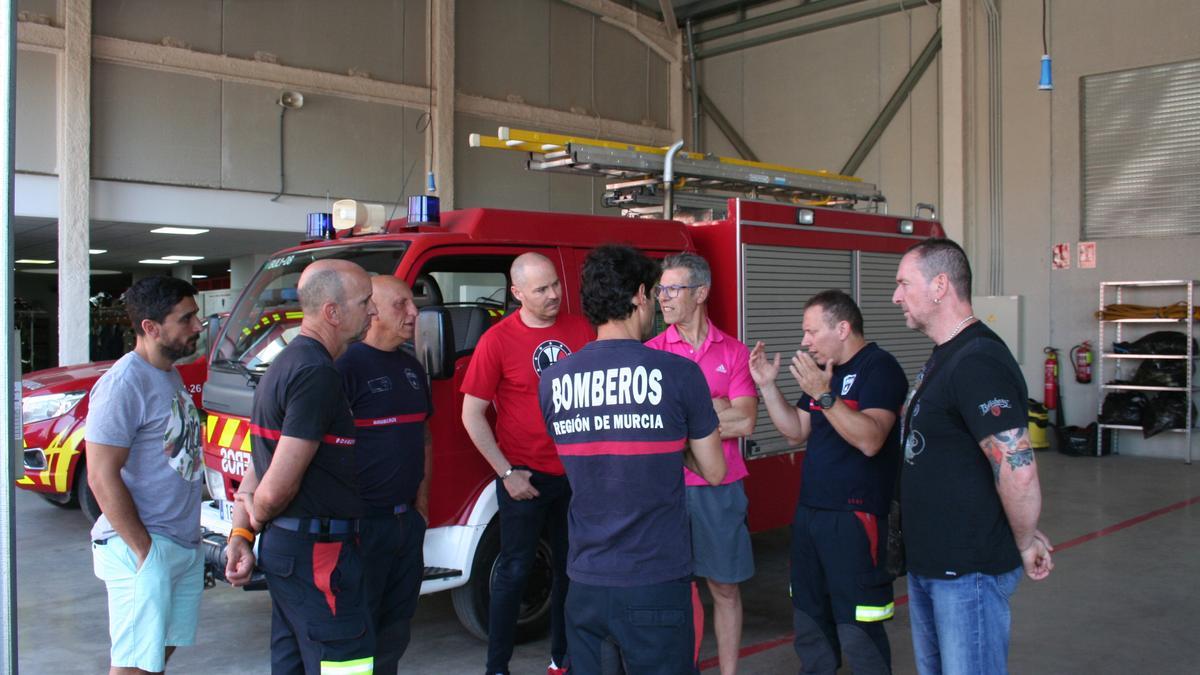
x=653 y=616
x=343 y=641
x=874 y=601
x=280 y=575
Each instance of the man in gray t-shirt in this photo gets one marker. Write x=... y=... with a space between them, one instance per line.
x=145 y=463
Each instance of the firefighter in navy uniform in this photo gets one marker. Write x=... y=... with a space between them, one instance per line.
x=853 y=390
x=307 y=502
x=389 y=395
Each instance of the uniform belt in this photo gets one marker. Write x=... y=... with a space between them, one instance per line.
x=386 y=511
x=318 y=526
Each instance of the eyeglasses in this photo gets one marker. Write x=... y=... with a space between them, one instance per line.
x=672 y=291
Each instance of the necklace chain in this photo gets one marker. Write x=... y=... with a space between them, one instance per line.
x=961 y=324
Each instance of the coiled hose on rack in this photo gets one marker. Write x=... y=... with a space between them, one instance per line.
x=1178 y=310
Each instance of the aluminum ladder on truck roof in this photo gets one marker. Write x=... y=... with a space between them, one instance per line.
x=635 y=174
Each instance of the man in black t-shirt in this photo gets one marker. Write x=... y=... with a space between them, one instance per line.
x=969 y=489
x=389 y=396
x=306 y=502
x=853 y=390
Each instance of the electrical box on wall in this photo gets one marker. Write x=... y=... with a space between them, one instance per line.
x=1002 y=313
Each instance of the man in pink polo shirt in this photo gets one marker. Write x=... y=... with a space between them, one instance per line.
x=720 y=539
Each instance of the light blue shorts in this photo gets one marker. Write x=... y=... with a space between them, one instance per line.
x=151 y=608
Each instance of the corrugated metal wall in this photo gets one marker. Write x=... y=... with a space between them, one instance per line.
x=779 y=280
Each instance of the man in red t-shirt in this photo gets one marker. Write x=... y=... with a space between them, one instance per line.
x=531 y=486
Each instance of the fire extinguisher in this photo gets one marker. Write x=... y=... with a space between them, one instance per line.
x=1051 y=377
x=1081 y=362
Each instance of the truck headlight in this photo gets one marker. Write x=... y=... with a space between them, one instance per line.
x=48 y=406
x=216 y=483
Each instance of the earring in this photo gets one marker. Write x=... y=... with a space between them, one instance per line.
x=937 y=301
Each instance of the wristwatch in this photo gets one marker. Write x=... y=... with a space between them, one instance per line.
x=826 y=400
x=507 y=473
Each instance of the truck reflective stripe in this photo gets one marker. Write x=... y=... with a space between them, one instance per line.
x=227 y=433
x=866 y=613
x=62 y=455
x=357 y=666
x=209 y=426
x=245 y=442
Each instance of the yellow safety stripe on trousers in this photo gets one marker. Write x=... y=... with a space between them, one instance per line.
x=356 y=667
x=866 y=613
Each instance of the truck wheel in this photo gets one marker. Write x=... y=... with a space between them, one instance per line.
x=87 y=500
x=471 y=600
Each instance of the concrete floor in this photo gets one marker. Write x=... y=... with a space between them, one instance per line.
x=1121 y=598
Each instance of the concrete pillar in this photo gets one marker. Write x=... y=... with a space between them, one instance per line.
x=242 y=269
x=439 y=144
x=957 y=23
x=74 y=177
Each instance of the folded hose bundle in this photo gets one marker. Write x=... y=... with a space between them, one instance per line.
x=1178 y=310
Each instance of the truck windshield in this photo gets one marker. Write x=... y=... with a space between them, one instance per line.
x=267 y=315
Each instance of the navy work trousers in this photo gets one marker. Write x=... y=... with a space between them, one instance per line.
x=521 y=525
x=394 y=564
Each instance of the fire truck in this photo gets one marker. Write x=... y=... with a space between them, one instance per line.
x=789 y=235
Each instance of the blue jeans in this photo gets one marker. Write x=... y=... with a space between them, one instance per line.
x=521 y=525
x=961 y=625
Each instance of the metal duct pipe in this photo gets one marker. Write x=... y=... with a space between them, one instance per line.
x=669 y=181
x=691 y=43
x=995 y=155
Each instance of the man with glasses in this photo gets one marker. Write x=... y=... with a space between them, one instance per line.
x=721 y=550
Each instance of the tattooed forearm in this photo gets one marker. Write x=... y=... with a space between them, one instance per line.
x=1007 y=447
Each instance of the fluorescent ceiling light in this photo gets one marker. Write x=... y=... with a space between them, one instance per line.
x=156 y=261
x=35 y=261
x=179 y=230
x=54 y=270
x=199 y=276
x=183 y=257
x=97 y=251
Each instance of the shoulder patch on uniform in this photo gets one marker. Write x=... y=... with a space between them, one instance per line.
x=413 y=380
x=847 y=382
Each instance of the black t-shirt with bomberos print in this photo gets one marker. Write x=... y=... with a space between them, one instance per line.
x=301 y=396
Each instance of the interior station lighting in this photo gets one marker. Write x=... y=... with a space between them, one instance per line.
x=179 y=230
x=158 y=261
x=35 y=261
x=97 y=251
x=186 y=258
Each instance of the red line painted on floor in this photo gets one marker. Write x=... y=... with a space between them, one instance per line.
x=901 y=601
x=1126 y=523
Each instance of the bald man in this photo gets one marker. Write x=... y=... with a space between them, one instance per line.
x=307 y=503
x=389 y=396
x=531 y=486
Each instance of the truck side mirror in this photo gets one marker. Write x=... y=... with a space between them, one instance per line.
x=435 y=342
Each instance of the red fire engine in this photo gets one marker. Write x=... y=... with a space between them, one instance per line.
x=767 y=259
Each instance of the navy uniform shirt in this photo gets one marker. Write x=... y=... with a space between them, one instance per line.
x=619 y=414
x=301 y=396
x=836 y=475
x=389 y=395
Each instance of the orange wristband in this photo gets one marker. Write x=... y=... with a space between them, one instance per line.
x=244 y=534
